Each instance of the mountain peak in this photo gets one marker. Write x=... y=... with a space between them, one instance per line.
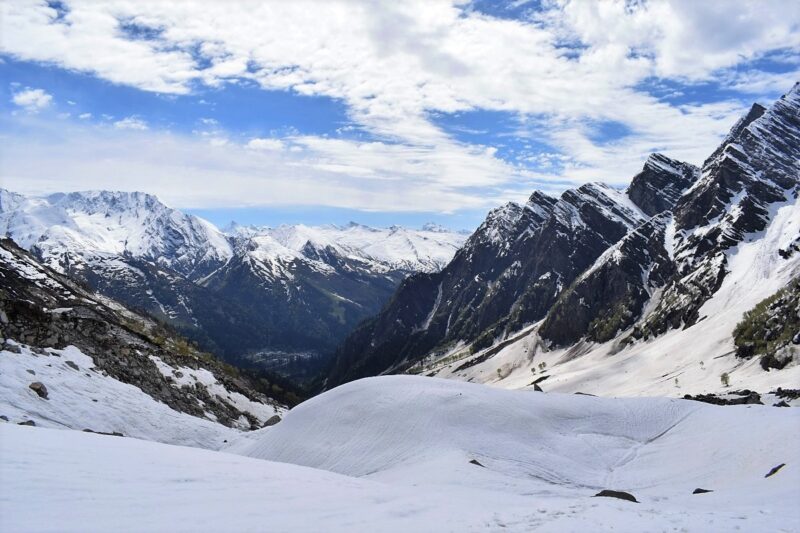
x=661 y=183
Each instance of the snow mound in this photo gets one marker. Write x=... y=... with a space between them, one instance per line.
x=424 y=430
x=400 y=450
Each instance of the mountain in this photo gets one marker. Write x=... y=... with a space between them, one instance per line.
x=72 y=358
x=670 y=264
x=256 y=296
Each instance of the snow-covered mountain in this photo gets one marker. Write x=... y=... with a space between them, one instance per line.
x=247 y=293
x=71 y=358
x=634 y=292
x=406 y=453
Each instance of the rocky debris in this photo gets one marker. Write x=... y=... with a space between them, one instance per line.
x=112 y=434
x=10 y=347
x=274 y=419
x=476 y=463
x=788 y=394
x=746 y=397
x=27 y=423
x=774 y=470
x=616 y=494
x=39 y=388
x=701 y=491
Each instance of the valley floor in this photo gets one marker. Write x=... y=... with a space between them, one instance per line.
x=399 y=454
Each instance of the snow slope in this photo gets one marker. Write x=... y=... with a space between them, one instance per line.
x=392 y=454
x=81 y=397
x=695 y=356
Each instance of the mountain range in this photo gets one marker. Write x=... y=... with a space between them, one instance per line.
x=618 y=278
x=254 y=295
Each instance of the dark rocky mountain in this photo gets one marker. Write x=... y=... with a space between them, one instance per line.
x=589 y=263
x=43 y=310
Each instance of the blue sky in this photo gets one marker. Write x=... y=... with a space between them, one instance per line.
x=327 y=112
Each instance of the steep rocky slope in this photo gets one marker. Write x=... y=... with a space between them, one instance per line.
x=80 y=345
x=606 y=268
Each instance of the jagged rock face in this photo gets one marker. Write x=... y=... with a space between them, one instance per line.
x=509 y=273
x=756 y=167
x=609 y=296
x=595 y=258
x=661 y=183
x=41 y=308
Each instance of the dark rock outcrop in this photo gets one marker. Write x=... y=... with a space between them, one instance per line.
x=39 y=388
x=622 y=495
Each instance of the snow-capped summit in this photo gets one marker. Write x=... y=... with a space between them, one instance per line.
x=92 y=224
x=293 y=288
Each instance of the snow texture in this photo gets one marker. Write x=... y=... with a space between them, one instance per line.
x=393 y=454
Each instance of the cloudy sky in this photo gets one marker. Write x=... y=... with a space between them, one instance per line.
x=380 y=112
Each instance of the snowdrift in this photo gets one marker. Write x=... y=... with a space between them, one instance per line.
x=408 y=453
x=381 y=427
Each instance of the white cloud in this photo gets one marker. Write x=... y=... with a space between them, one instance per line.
x=131 y=123
x=85 y=116
x=192 y=171
x=266 y=144
x=393 y=64
x=32 y=100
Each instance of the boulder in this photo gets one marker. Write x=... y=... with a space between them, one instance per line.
x=616 y=494
x=39 y=388
x=775 y=469
x=274 y=419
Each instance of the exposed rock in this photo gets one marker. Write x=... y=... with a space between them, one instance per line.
x=476 y=463
x=27 y=423
x=775 y=469
x=789 y=394
x=701 y=491
x=616 y=494
x=537 y=388
x=781 y=403
x=112 y=434
x=39 y=388
x=749 y=397
x=72 y=365
x=4 y=417
x=274 y=419
x=13 y=348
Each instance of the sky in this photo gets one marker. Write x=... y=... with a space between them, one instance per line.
x=378 y=112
